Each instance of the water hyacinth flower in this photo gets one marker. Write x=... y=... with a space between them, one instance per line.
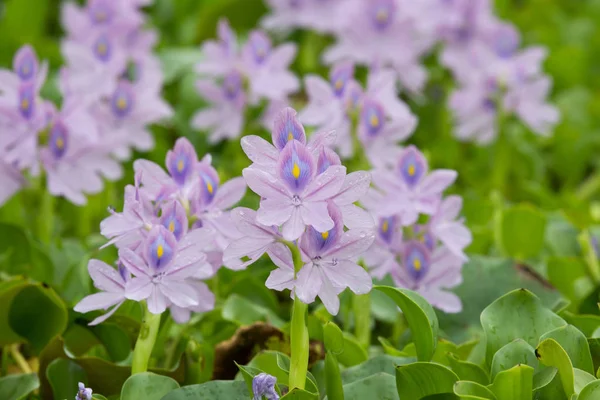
x=221 y=55
x=163 y=270
x=430 y=273
x=112 y=283
x=410 y=188
x=445 y=226
x=375 y=32
x=330 y=264
x=83 y=393
x=263 y=387
x=11 y=180
x=100 y=14
x=267 y=67
x=225 y=119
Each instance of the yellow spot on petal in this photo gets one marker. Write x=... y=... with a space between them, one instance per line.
x=172 y=226
x=374 y=121
x=121 y=103
x=325 y=235
x=417 y=264
x=382 y=15
x=411 y=170
x=101 y=49
x=180 y=165
x=209 y=187
x=385 y=226
x=290 y=136
x=60 y=143
x=24 y=104
x=160 y=251
x=338 y=84
x=296 y=171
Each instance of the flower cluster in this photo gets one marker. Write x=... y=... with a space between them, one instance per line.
x=83 y=393
x=495 y=78
x=306 y=198
x=234 y=79
x=170 y=235
x=110 y=91
x=379 y=118
x=420 y=239
x=263 y=387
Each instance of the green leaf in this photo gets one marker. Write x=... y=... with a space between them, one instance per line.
x=468 y=371
x=147 y=386
x=581 y=379
x=354 y=353
x=15 y=387
x=333 y=379
x=520 y=231
x=551 y=354
x=278 y=364
x=176 y=62
x=248 y=373
x=514 y=384
x=591 y=391
x=383 y=363
x=514 y=353
x=389 y=348
x=245 y=312
x=472 y=391
x=588 y=324
x=575 y=344
x=569 y=275
x=421 y=379
x=299 y=394
x=213 y=390
x=334 y=338
x=64 y=376
x=378 y=386
x=518 y=314
x=420 y=317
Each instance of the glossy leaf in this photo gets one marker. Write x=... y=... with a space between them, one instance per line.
x=214 y=390
x=147 y=386
x=575 y=344
x=382 y=363
x=514 y=353
x=15 y=387
x=591 y=391
x=514 y=384
x=377 y=386
x=468 y=371
x=334 y=338
x=64 y=376
x=472 y=391
x=520 y=231
x=551 y=354
x=421 y=379
x=420 y=317
x=518 y=314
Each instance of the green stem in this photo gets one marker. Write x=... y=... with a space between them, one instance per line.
x=333 y=379
x=298 y=331
x=502 y=161
x=19 y=359
x=361 y=306
x=299 y=345
x=145 y=341
x=590 y=186
x=46 y=217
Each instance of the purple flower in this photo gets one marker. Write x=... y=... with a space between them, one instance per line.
x=220 y=56
x=266 y=67
x=410 y=189
x=381 y=256
x=330 y=264
x=206 y=302
x=74 y=164
x=255 y=241
x=321 y=16
x=225 y=118
x=297 y=196
x=445 y=226
x=112 y=284
x=100 y=14
x=429 y=273
x=263 y=386
x=375 y=32
x=163 y=270
x=83 y=393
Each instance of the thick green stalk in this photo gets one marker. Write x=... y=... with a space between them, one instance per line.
x=299 y=345
x=333 y=379
x=361 y=306
x=145 y=341
x=298 y=331
x=46 y=217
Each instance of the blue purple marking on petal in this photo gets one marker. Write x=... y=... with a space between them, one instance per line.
x=100 y=12
x=382 y=13
x=180 y=167
x=297 y=169
x=160 y=249
x=123 y=271
x=260 y=45
x=122 y=100
x=27 y=96
x=58 y=140
x=25 y=65
x=102 y=48
x=232 y=85
x=372 y=117
x=209 y=188
x=339 y=77
x=412 y=167
x=387 y=228
x=416 y=260
x=174 y=219
x=327 y=158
